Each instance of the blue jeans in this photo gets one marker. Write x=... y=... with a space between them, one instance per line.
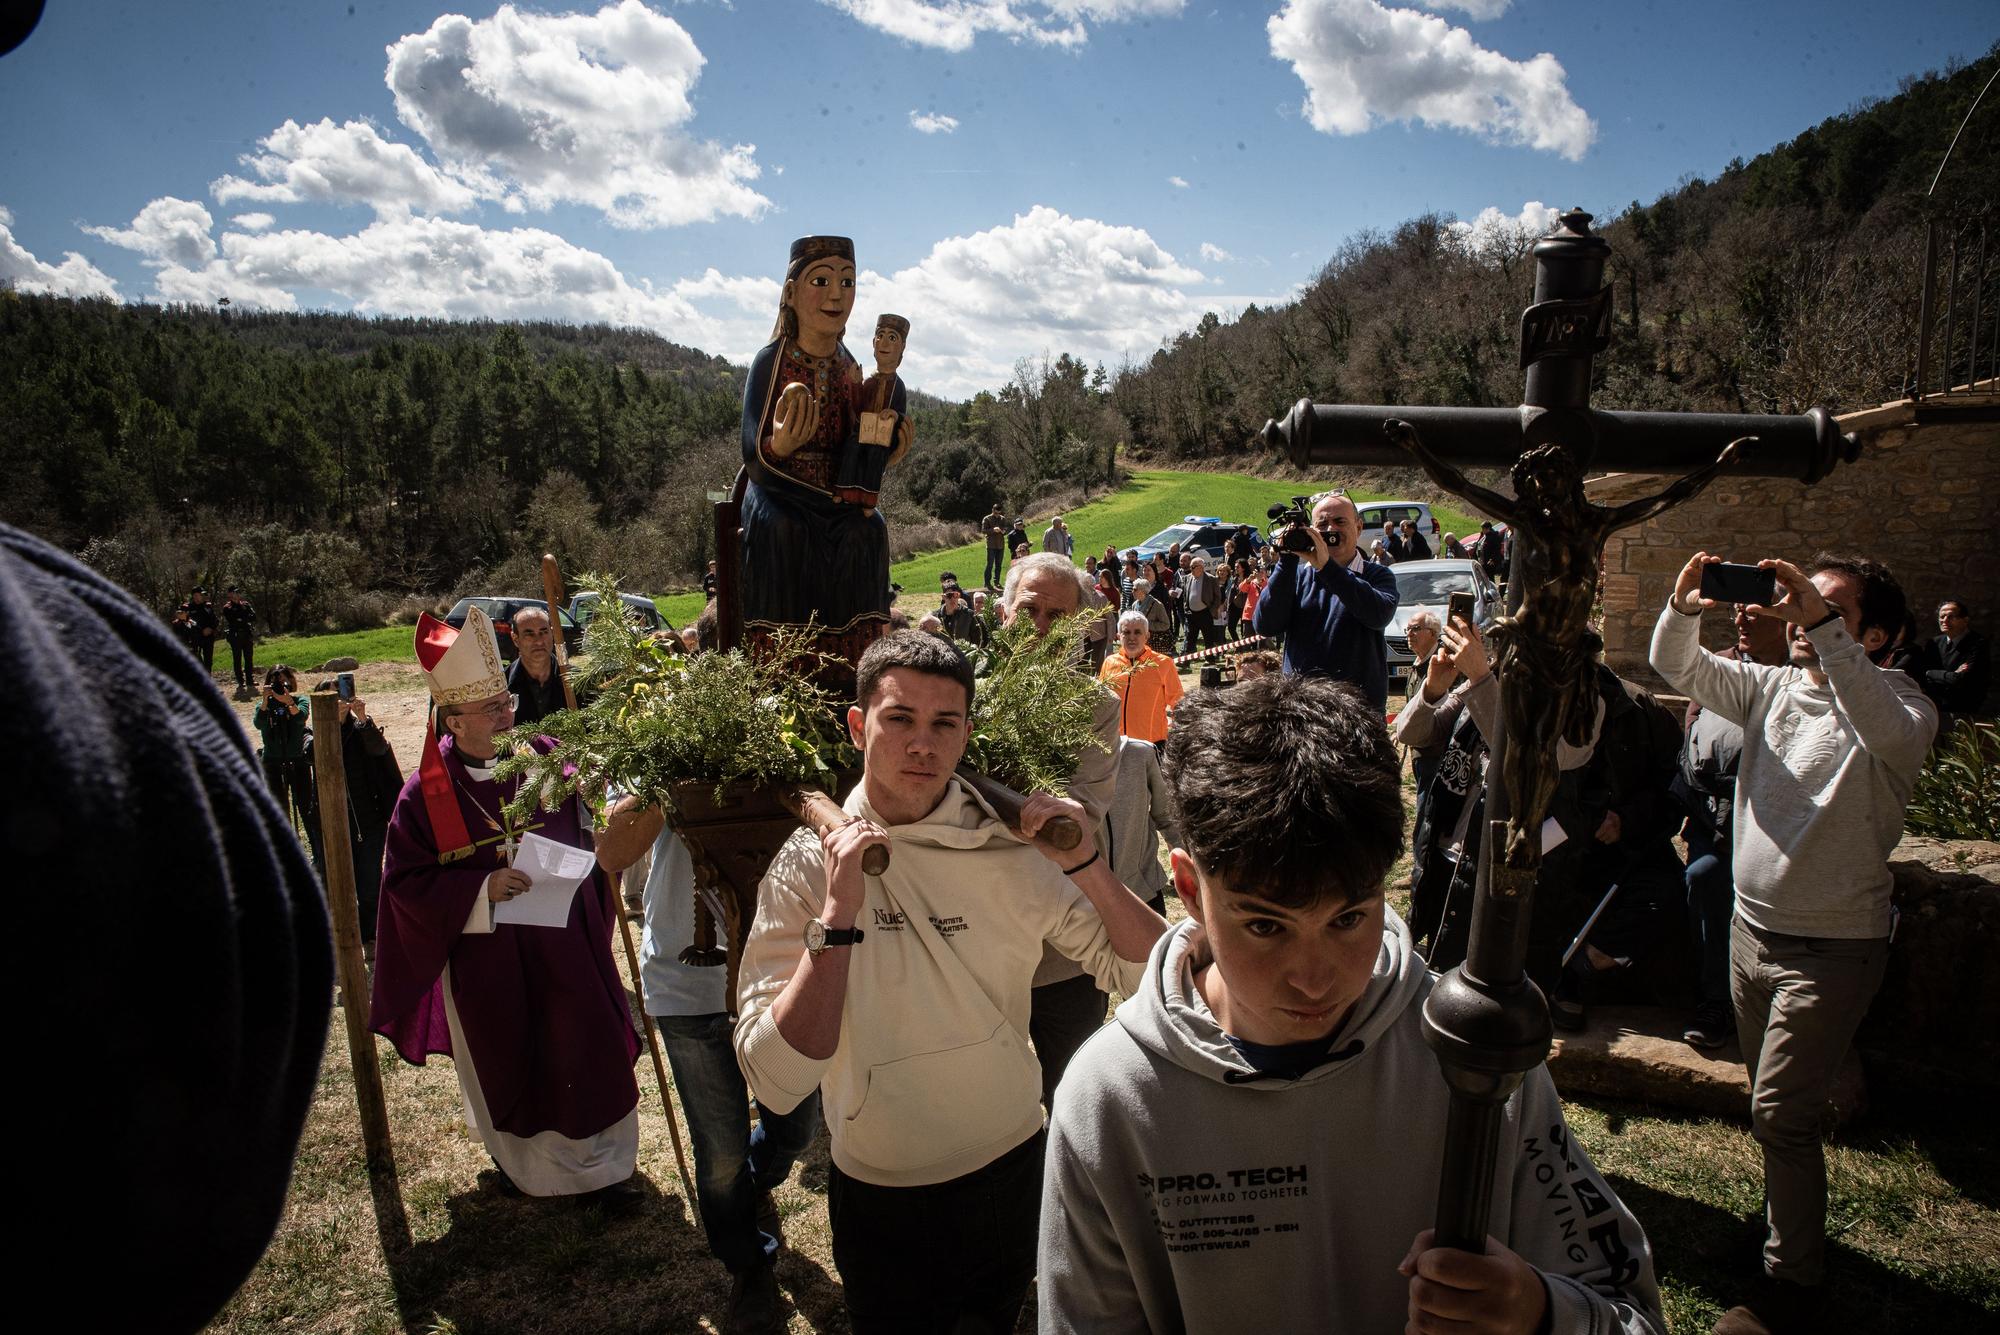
x=733 y=1161
x=1711 y=900
x=992 y=576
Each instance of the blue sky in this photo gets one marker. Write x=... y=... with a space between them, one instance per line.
x=1020 y=176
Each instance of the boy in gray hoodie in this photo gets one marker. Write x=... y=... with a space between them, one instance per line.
x=1253 y=1145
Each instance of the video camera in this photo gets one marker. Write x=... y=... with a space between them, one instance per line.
x=1290 y=526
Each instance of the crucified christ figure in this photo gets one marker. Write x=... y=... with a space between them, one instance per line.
x=1547 y=649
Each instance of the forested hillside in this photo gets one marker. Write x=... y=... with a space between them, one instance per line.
x=1786 y=282
x=344 y=469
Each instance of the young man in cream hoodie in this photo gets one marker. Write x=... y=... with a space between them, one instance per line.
x=903 y=998
x=1252 y=1144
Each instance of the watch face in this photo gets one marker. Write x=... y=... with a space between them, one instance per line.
x=815 y=936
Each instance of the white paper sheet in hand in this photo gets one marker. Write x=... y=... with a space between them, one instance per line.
x=554 y=872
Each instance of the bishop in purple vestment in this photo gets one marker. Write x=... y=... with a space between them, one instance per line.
x=534 y=1018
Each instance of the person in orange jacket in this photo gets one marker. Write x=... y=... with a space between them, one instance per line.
x=1145 y=681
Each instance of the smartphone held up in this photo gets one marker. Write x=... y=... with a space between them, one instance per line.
x=1728 y=582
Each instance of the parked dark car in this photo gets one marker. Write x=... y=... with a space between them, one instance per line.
x=584 y=606
x=502 y=610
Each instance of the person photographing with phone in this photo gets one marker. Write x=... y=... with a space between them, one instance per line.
x=1330 y=602
x=280 y=719
x=1818 y=805
x=374 y=780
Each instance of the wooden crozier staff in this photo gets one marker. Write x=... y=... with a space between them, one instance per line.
x=552 y=595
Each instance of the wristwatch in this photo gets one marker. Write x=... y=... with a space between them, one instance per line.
x=819 y=936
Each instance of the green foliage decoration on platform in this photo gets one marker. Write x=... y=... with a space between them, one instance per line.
x=1031 y=713
x=654 y=718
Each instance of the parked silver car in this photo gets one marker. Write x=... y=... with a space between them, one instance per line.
x=1429 y=585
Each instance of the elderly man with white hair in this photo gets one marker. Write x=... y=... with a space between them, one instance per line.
x=1421 y=630
x=1206 y=604
x=1068 y=1005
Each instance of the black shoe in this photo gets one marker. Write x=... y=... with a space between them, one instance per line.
x=768 y=1222
x=620 y=1198
x=497 y=1179
x=753 y=1303
x=1711 y=1026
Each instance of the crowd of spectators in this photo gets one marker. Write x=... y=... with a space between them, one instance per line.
x=1728 y=857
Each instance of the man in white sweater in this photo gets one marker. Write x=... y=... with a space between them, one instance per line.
x=903 y=998
x=1832 y=747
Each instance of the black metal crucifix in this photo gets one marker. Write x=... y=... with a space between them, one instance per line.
x=1485 y=1020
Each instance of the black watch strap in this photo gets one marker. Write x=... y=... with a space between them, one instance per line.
x=842 y=936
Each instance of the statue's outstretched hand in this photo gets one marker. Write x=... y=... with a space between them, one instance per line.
x=794 y=420
x=1736 y=449
x=1401 y=434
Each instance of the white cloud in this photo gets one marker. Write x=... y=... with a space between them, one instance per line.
x=1215 y=254
x=74 y=277
x=253 y=222
x=953 y=25
x=932 y=122
x=1362 y=62
x=167 y=231
x=324 y=163
x=1044 y=282
x=442 y=268
x=1178 y=182
x=172 y=238
x=1493 y=230
x=539 y=109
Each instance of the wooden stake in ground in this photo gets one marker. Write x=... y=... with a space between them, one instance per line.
x=552 y=594
x=337 y=848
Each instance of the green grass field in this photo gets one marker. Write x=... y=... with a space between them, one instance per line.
x=1127 y=517
x=1138 y=510
x=392 y=644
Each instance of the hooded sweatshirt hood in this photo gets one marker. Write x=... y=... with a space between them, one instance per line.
x=1168 y=1015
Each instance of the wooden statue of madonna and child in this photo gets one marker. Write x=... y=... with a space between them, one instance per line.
x=817 y=440
x=741 y=746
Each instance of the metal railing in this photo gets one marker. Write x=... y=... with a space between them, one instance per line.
x=1958 y=319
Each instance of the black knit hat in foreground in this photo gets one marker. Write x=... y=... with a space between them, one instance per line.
x=171 y=958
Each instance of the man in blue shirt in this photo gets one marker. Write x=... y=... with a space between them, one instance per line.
x=1331 y=606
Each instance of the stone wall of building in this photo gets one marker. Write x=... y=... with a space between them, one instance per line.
x=1924 y=497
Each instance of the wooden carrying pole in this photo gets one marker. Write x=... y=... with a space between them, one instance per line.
x=337 y=847
x=1062 y=833
x=552 y=594
x=820 y=813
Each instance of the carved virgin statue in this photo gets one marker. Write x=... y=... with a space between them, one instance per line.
x=808 y=554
